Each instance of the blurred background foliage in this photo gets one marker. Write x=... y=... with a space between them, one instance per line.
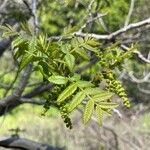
x=59 y=17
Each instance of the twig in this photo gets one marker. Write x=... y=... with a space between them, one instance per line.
x=137 y=53
x=32 y=101
x=134 y=79
x=3 y=5
x=28 y=6
x=90 y=20
x=101 y=21
x=35 y=18
x=142 y=57
x=38 y=90
x=143 y=90
x=129 y=13
x=11 y=101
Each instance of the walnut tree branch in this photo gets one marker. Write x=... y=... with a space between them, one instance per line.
x=12 y=101
x=25 y=144
x=116 y=33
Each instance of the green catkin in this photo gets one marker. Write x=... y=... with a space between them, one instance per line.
x=114 y=85
x=65 y=115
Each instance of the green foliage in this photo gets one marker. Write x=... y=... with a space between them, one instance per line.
x=88 y=111
x=58 y=63
x=62 y=16
x=9 y=31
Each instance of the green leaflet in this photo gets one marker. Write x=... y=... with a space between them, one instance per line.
x=59 y=60
x=25 y=27
x=32 y=45
x=99 y=114
x=5 y=28
x=8 y=31
x=84 y=84
x=74 y=42
x=92 y=42
x=17 y=41
x=82 y=53
x=25 y=60
x=80 y=40
x=58 y=79
x=67 y=92
x=89 y=47
x=43 y=44
x=93 y=91
x=107 y=112
x=75 y=77
x=78 y=98
x=70 y=61
x=88 y=111
x=103 y=96
x=64 y=49
x=107 y=105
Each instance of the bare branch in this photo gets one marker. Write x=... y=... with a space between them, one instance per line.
x=101 y=21
x=4 y=44
x=142 y=57
x=134 y=79
x=143 y=90
x=38 y=90
x=137 y=53
x=3 y=5
x=90 y=20
x=28 y=6
x=129 y=13
x=22 y=143
x=110 y=36
x=9 y=102
x=32 y=101
x=35 y=18
x=116 y=33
